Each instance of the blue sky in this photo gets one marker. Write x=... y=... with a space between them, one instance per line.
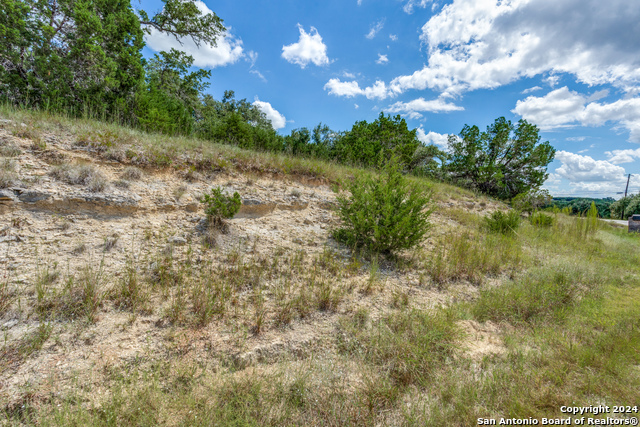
x=572 y=67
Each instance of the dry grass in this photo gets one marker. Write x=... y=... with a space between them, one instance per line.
x=81 y=174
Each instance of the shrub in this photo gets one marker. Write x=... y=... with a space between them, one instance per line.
x=505 y=223
x=531 y=200
x=219 y=206
x=87 y=175
x=383 y=214
x=540 y=219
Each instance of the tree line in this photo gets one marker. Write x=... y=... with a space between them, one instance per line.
x=84 y=57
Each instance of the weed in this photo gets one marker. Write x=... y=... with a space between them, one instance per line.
x=87 y=175
x=467 y=256
x=504 y=223
x=79 y=249
x=6 y=297
x=327 y=297
x=529 y=299
x=129 y=293
x=9 y=150
x=539 y=219
x=131 y=173
x=209 y=299
x=122 y=183
x=8 y=176
x=179 y=191
x=82 y=296
x=110 y=242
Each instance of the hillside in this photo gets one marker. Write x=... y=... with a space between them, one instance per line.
x=118 y=306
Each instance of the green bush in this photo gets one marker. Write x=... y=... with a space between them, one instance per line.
x=219 y=206
x=540 y=219
x=385 y=213
x=505 y=223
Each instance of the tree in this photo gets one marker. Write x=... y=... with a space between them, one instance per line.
x=502 y=162
x=183 y=18
x=171 y=97
x=531 y=200
x=86 y=55
x=383 y=214
x=427 y=161
x=364 y=143
x=66 y=53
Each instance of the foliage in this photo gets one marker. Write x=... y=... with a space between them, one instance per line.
x=427 y=161
x=365 y=142
x=504 y=223
x=625 y=207
x=171 y=96
x=502 y=162
x=540 y=219
x=579 y=206
x=383 y=214
x=530 y=200
x=183 y=18
x=219 y=206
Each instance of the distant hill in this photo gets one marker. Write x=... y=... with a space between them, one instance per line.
x=579 y=205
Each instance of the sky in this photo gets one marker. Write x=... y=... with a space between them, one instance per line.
x=572 y=67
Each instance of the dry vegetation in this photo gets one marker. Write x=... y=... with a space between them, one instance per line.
x=129 y=310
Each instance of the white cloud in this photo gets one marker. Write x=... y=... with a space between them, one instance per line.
x=475 y=44
x=350 y=89
x=564 y=108
x=375 y=29
x=439 y=139
x=309 y=48
x=277 y=120
x=414 y=108
x=408 y=7
x=531 y=89
x=348 y=75
x=382 y=59
x=393 y=37
x=587 y=176
x=576 y=138
x=356 y=105
x=339 y=88
x=252 y=57
x=577 y=168
x=623 y=156
x=259 y=74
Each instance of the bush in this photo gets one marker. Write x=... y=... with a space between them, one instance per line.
x=540 y=219
x=383 y=214
x=219 y=206
x=504 y=223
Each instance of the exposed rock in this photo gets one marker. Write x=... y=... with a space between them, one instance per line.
x=254 y=208
x=177 y=240
x=33 y=196
x=7 y=196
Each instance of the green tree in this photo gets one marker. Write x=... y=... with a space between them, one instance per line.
x=183 y=18
x=72 y=53
x=531 y=200
x=171 y=97
x=364 y=143
x=427 y=161
x=383 y=214
x=502 y=162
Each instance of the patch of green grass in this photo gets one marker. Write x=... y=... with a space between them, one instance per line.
x=470 y=256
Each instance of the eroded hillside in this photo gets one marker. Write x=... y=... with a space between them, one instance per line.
x=120 y=305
